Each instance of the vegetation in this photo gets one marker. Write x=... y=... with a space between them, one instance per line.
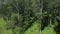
x=29 y=16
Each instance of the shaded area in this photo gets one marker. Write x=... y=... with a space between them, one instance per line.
x=57 y=28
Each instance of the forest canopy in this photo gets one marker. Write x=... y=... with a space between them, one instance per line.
x=29 y=16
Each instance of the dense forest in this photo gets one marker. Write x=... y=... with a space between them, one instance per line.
x=29 y=16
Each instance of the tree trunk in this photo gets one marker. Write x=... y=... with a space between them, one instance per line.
x=41 y=9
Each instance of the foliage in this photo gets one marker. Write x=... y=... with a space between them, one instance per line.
x=48 y=30
x=34 y=29
x=26 y=16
